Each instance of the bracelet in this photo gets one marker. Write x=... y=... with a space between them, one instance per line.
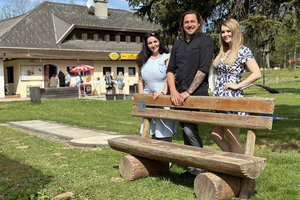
x=188 y=92
x=163 y=93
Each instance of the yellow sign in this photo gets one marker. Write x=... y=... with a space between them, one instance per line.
x=129 y=56
x=114 y=56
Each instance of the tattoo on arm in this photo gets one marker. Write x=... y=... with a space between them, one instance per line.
x=198 y=79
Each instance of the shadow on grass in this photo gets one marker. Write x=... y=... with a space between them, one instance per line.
x=289 y=90
x=180 y=179
x=19 y=181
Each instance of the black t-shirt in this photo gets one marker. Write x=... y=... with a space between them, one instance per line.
x=189 y=57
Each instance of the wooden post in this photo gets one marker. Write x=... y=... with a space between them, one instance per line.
x=248 y=185
x=35 y=94
x=133 y=167
x=211 y=186
x=146 y=128
x=250 y=143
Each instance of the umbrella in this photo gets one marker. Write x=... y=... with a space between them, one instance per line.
x=82 y=68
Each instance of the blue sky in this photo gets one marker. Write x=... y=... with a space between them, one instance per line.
x=118 y=4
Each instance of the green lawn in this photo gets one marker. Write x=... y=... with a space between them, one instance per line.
x=35 y=168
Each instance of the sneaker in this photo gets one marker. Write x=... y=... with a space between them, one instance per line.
x=195 y=171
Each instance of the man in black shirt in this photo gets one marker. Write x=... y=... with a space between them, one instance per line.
x=188 y=68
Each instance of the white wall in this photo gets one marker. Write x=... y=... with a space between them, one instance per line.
x=2 y=95
x=211 y=79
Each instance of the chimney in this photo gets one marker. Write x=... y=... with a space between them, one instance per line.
x=101 y=8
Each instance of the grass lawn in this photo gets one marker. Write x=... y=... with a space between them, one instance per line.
x=35 y=168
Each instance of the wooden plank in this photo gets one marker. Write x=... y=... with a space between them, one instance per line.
x=242 y=104
x=221 y=119
x=224 y=162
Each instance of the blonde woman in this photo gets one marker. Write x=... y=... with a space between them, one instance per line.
x=230 y=65
x=120 y=82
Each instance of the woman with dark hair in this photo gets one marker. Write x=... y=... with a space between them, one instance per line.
x=152 y=62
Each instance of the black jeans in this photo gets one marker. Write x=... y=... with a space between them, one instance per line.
x=190 y=134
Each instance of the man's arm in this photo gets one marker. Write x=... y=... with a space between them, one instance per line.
x=196 y=82
x=175 y=96
x=198 y=79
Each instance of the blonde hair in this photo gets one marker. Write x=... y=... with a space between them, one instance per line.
x=237 y=40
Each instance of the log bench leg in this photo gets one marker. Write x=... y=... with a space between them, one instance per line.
x=133 y=167
x=248 y=185
x=210 y=186
x=247 y=188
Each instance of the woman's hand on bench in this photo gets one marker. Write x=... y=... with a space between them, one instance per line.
x=155 y=95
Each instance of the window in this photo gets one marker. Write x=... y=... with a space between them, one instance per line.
x=120 y=69
x=10 y=74
x=106 y=69
x=133 y=89
x=132 y=38
x=122 y=38
x=101 y=37
x=78 y=35
x=90 y=36
x=112 y=37
x=131 y=71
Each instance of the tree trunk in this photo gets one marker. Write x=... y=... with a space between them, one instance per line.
x=267 y=51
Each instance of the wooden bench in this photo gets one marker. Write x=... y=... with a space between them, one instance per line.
x=229 y=174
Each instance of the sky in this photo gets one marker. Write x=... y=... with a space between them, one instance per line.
x=117 y=4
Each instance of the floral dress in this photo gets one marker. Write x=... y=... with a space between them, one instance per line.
x=232 y=73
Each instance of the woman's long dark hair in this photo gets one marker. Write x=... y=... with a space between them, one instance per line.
x=146 y=53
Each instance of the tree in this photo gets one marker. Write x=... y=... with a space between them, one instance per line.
x=273 y=13
x=19 y=7
x=15 y=8
x=287 y=48
x=263 y=32
x=167 y=13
